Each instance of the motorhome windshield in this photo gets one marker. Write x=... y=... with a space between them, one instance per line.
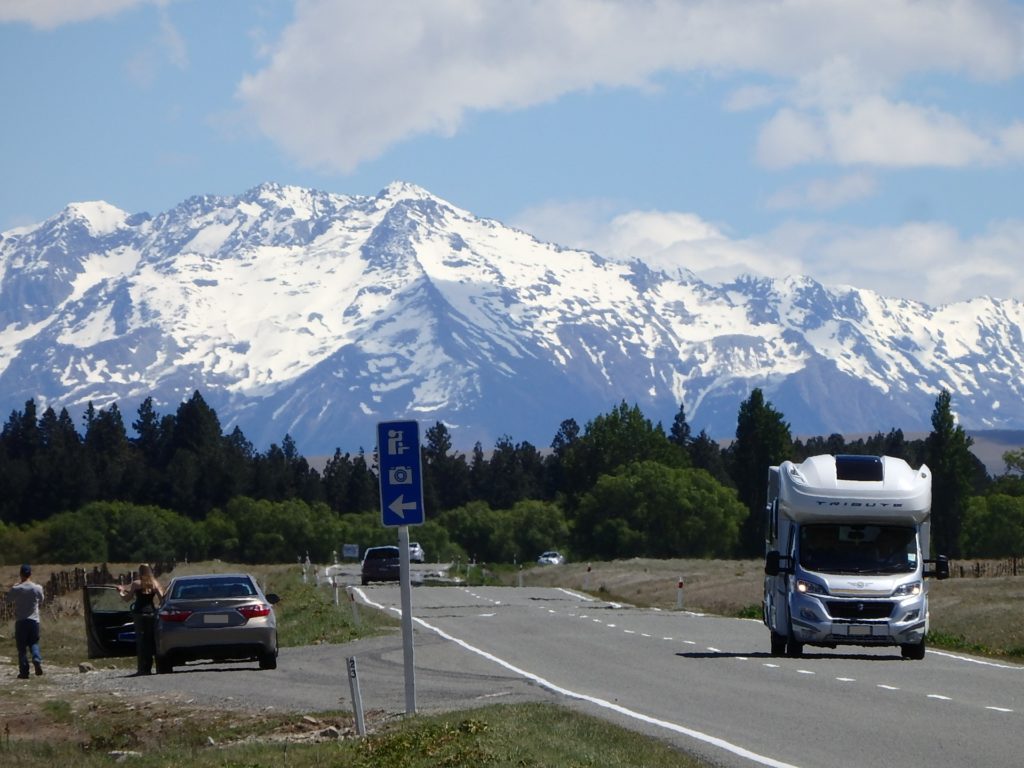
x=837 y=548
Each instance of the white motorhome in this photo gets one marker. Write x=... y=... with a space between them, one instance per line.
x=847 y=542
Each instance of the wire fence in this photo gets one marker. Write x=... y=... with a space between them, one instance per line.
x=62 y=582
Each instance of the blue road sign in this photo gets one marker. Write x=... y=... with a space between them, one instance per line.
x=401 y=475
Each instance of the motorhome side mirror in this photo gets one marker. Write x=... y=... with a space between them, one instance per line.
x=940 y=568
x=772 y=564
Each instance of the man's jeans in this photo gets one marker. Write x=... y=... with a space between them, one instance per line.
x=26 y=635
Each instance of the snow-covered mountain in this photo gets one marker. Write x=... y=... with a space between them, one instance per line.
x=317 y=315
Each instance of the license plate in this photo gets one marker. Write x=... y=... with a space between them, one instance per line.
x=860 y=629
x=215 y=618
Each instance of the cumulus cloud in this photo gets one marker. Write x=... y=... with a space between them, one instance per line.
x=347 y=81
x=49 y=14
x=927 y=262
x=673 y=242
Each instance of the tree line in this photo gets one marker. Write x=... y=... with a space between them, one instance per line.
x=620 y=486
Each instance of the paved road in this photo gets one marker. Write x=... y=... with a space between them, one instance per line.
x=704 y=683
x=709 y=684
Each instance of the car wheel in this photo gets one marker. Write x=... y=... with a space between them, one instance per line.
x=913 y=651
x=163 y=666
x=268 y=661
x=778 y=644
x=365 y=582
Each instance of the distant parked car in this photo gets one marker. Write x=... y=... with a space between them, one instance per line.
x=220 y=617
x=380 y=564
x=551 y=558
x=416 y=553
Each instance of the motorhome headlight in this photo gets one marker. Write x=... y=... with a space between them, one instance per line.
x=810 y=588
x=913 y=589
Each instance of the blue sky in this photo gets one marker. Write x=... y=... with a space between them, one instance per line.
x=876 y=144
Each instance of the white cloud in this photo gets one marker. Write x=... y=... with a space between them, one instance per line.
x=881 y=133
x=824 y=194
x=669 y=241
x=790 y=138
x=349 y=80
x=49 y=14
x=928 y=262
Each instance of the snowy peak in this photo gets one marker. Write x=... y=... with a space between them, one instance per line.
x=316 y=314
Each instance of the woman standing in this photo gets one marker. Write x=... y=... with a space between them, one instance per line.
x=145 y=593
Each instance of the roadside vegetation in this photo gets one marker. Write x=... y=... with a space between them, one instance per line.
x=619 y=487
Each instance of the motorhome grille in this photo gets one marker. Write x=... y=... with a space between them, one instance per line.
x=859 y=609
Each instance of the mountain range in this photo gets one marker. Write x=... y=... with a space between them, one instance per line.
x=300 y=312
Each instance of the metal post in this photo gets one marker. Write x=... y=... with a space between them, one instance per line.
x=407 y=649
x=679 y=594
x=355 y=606
x=357 y=697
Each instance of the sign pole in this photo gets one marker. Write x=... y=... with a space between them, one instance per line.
x=407 y=647
x=401 y=505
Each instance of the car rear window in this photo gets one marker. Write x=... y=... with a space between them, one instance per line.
x=381 y=553
x=212 y=589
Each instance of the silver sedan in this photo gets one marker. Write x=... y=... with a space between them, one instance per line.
x=219 y=617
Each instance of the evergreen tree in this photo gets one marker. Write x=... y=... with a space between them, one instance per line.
x=706 y=454
x=680 y=433
x=762 y=440
x=554 y=469
x=952 y=464
x=62 y=477
x=336 y=477
x=445 y=475
x=108 y=452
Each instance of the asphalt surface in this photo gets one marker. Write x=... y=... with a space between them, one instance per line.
x=706 y=684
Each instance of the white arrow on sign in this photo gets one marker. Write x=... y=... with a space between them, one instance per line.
x=399 y=506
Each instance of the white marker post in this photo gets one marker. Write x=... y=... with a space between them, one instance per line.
x=357 y=697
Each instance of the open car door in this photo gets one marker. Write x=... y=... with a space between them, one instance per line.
x=109 y=627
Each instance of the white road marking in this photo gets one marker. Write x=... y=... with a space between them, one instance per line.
x=667 y=725
x=888 y=687
x=805 y=672
x=982 y=662
x=629 y=631
x=939 y=696
x=999 y=709
x=846 y=680
x=577 y=595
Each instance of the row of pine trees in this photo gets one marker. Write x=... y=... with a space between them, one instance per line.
x=620 y=486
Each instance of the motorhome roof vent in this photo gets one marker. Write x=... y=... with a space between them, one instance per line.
x=862 y=468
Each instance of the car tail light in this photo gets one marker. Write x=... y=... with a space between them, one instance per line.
x=174 y=615
x=254 y=611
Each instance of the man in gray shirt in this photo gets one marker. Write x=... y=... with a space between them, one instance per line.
x=27 y=596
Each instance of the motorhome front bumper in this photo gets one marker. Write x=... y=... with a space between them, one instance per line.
x=819 y=620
